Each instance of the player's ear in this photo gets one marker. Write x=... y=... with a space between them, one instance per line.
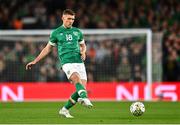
x=63 y=17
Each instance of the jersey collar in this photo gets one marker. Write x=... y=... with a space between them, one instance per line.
x=65 y=27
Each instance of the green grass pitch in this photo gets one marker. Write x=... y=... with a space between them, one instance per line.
x=102 y=113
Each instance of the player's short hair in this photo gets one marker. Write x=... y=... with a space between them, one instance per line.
x=68 y=12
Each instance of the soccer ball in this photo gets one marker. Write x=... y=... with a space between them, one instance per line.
x=137 y=108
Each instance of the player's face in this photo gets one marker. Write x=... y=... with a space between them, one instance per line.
x=68 y=20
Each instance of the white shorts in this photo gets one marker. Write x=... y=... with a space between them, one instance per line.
x=70 y=68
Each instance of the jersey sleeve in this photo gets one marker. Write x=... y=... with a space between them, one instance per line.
x=52 y=39
x=81 y=38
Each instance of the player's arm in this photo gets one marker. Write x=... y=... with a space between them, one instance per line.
x=42 y=54
x=82 y=46
x=83 y=50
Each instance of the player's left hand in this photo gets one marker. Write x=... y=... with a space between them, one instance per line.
x=83 y=56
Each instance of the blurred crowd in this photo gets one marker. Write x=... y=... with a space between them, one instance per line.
x=171 y=55
x=107 y=60
x=45 y=14
x=159 y=15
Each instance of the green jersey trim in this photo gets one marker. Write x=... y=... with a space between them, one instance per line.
x=52 y=44
x=82 y=42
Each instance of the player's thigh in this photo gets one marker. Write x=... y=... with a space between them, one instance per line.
x=75 y=78
x=68 y=69
x=82 y=72
x=74 y=71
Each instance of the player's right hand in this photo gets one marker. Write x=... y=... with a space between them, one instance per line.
x=30 y=65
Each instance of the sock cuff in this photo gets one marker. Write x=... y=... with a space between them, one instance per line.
x=79 y=92
x=64 y=108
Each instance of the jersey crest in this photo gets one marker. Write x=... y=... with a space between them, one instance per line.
x=75 y=33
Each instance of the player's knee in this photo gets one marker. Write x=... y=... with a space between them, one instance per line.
x=75 y=78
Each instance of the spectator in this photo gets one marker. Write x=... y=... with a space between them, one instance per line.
x=159 y=15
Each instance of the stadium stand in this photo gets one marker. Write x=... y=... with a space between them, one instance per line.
x=159 y=15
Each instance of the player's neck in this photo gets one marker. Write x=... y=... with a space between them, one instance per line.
x=66 y=27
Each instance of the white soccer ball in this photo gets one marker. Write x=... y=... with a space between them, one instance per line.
x=137 y=108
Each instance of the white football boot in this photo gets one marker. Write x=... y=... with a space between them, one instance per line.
x=65 y=113
x=85 y=102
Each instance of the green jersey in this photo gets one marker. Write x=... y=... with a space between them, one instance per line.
x=67 y=41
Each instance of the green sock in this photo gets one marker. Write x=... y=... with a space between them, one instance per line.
x=75 y=96
x=69 y=104
x=80 y=90
x=72 y=101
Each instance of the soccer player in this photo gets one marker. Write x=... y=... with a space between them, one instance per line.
x=72 y=52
